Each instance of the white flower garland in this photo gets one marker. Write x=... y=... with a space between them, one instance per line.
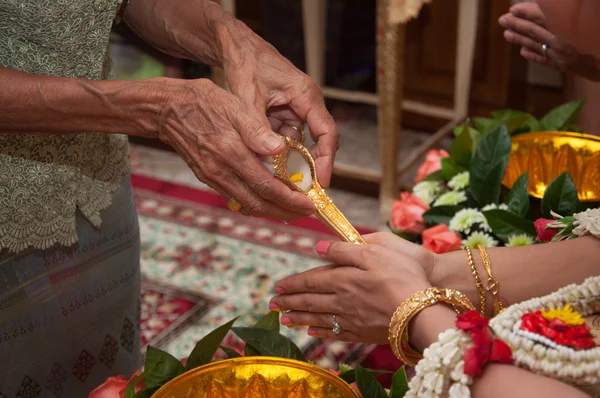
x=440 y=372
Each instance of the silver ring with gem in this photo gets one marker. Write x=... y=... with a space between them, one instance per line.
x=544 y=50
x=337 y=329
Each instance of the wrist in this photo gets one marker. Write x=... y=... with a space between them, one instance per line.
x=425 y=327
x=451 y=270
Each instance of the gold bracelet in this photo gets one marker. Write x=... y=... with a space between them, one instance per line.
x=478 y=284
x=398 y=332
x=493 y=286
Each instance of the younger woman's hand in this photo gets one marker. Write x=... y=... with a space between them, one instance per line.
x=363 y=287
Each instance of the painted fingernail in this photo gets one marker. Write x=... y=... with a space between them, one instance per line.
x=278 y=290
x=285 y=321
x=322 y=247
x=274 y=307
x=312 y=332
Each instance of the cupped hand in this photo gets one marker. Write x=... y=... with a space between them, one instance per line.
x=279 y=94
x=363 y=287
x=526 y=26
x=220 y=139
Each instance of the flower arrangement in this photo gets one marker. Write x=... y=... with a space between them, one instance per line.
x=459 y=200
x=263 y=339
x=546 y=335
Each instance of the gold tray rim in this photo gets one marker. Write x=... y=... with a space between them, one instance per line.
x=292 y=363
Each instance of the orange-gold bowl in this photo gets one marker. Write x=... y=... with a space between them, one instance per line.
x=254 y=377
x=546 y=155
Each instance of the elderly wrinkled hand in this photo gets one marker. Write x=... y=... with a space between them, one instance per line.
x=526 y=26
x=281 y=95
x=362 y=288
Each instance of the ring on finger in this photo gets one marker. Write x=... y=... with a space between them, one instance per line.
x=544 y=50
x=233 y=205
x=337 y=328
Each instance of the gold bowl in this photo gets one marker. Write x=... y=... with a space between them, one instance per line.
x=254 y=377
x=546 y=155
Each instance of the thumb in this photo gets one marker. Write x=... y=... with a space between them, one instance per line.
x=259 y=137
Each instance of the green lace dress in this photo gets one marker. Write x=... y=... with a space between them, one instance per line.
x=69 y=239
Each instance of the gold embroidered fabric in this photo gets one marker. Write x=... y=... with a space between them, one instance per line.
x=44 y=179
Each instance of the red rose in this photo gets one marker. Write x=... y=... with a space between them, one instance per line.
x=407 y=214
x=115 y=387
x=544 y=234
x=433 y=163
x=440 y=239
x=470 y=320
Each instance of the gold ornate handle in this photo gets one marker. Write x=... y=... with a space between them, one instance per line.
x=332 y=217
x=301 y=160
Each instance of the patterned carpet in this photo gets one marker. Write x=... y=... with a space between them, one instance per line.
x=204 y=265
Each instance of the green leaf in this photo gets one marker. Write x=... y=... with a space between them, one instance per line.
x=350 y=376
x=504 y=224
x=450 y=169
x=518 y=197
x=130 y=391
x=230 y=352
x=368 y=385
x=160 y=367
x=488 y=166
x=514 y=125
x=147 y=393
x=558 y=118
x=560 y=197
x=399 y=384
x=506 y=114
x=269 y=343
x=485 y=125
x=461 y=149
x=440 y=214
x=435 y=176
x=269 y=322
x=207 y=347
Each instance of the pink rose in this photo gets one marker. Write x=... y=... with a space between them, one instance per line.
x=440 y=239
x=433 y=163
x=115 y=387
x=544 y=234
x=407 y=213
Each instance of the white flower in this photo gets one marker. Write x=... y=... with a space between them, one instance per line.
x=482 y=238
x=493 y=206
x=459 y=181
x=451 y=198
x=587 y=222
x=520 y=240
x=464 y=219
x=427 y=191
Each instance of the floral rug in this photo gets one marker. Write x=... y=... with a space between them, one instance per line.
x=203 y=265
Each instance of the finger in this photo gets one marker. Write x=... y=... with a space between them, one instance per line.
x=530 y=29
x=536 y=57
x=306 y=302
x=523 y=41
x=360 y=256
x=310 y=106
x=529 y=11
x=323 y=333
x=316 y=280
x=258 y=136
x=294 y=319
x=262 y=182
x=396 y=243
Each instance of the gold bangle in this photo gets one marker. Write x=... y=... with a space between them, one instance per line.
x=398 y=332
x=493 y=286
x=478 y=284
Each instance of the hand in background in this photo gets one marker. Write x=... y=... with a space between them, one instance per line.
x=362 y=288
x=526 y=26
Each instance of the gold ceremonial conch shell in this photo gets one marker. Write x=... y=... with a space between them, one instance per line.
x=254 y=377
x=297 y=160
x=546 y=155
